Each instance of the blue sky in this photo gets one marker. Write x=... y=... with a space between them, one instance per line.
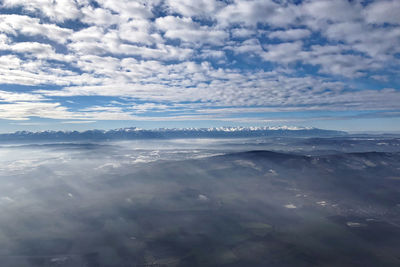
x=79 y=64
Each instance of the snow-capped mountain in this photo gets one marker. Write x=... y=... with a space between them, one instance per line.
x=170 y=133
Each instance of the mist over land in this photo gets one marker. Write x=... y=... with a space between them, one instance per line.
x=250 y=196
x=260 y=201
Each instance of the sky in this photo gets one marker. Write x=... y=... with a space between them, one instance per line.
x=80 y=64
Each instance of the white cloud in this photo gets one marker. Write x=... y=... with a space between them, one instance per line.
x=248 y=46
x=19 y=24
x=195 y=8
x=59 y=10
x=77 y=122
x=214 y=53
x=242 y=32
x=99 y=16
x=208 y=53
x=14 y=70
x=187 y=30
x=258 y=11
x=130 y=9
x=24 y=110
x=17 y=97
x=139 y=31
x=219 y=88
x=36 y=50
x=380 y=12
x=322 y=11
x=141 y=108
x=89 y=34
x=292 y=34
x=283 y=52
x=95 y=41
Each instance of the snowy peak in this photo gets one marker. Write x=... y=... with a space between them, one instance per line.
x=166 y=133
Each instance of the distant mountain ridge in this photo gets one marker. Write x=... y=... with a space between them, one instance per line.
x=170 y=133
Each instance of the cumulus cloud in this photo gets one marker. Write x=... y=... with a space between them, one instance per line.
x=292 y=34
x=131 y=9
x=187 y=30
x=16 y=97
x=200 y=58
x=99 y=16
x=258 y=11
x=242 y=32
x=200 y=8
x=283 y=52
x=139 y=31
x=59 y=10
x=23 y=25
x=24 y=110
x=381 y=12
x=14 y=70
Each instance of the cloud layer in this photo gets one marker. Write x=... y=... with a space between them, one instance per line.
x=203 y=59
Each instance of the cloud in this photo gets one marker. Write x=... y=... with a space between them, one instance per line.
x=141 y=108
x=242 y=32
x=187 y=30
x=24 y=25
x=196 y=59
x=381 y=12
x=323 y=11
x=16 y=97
x=24 y=110
x=77 y=122
x=199 y=8
x=59 y=10
x=283 y=52
x=292 y=34
x=139 y=31
x=252 y=46
x=96 y=41
x=35 y=50
x=14 y=70
x=131 y=9
x=99 y=16
x=273 y=90
x=250 y=13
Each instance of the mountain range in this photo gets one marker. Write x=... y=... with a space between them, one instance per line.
x=171 y=133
